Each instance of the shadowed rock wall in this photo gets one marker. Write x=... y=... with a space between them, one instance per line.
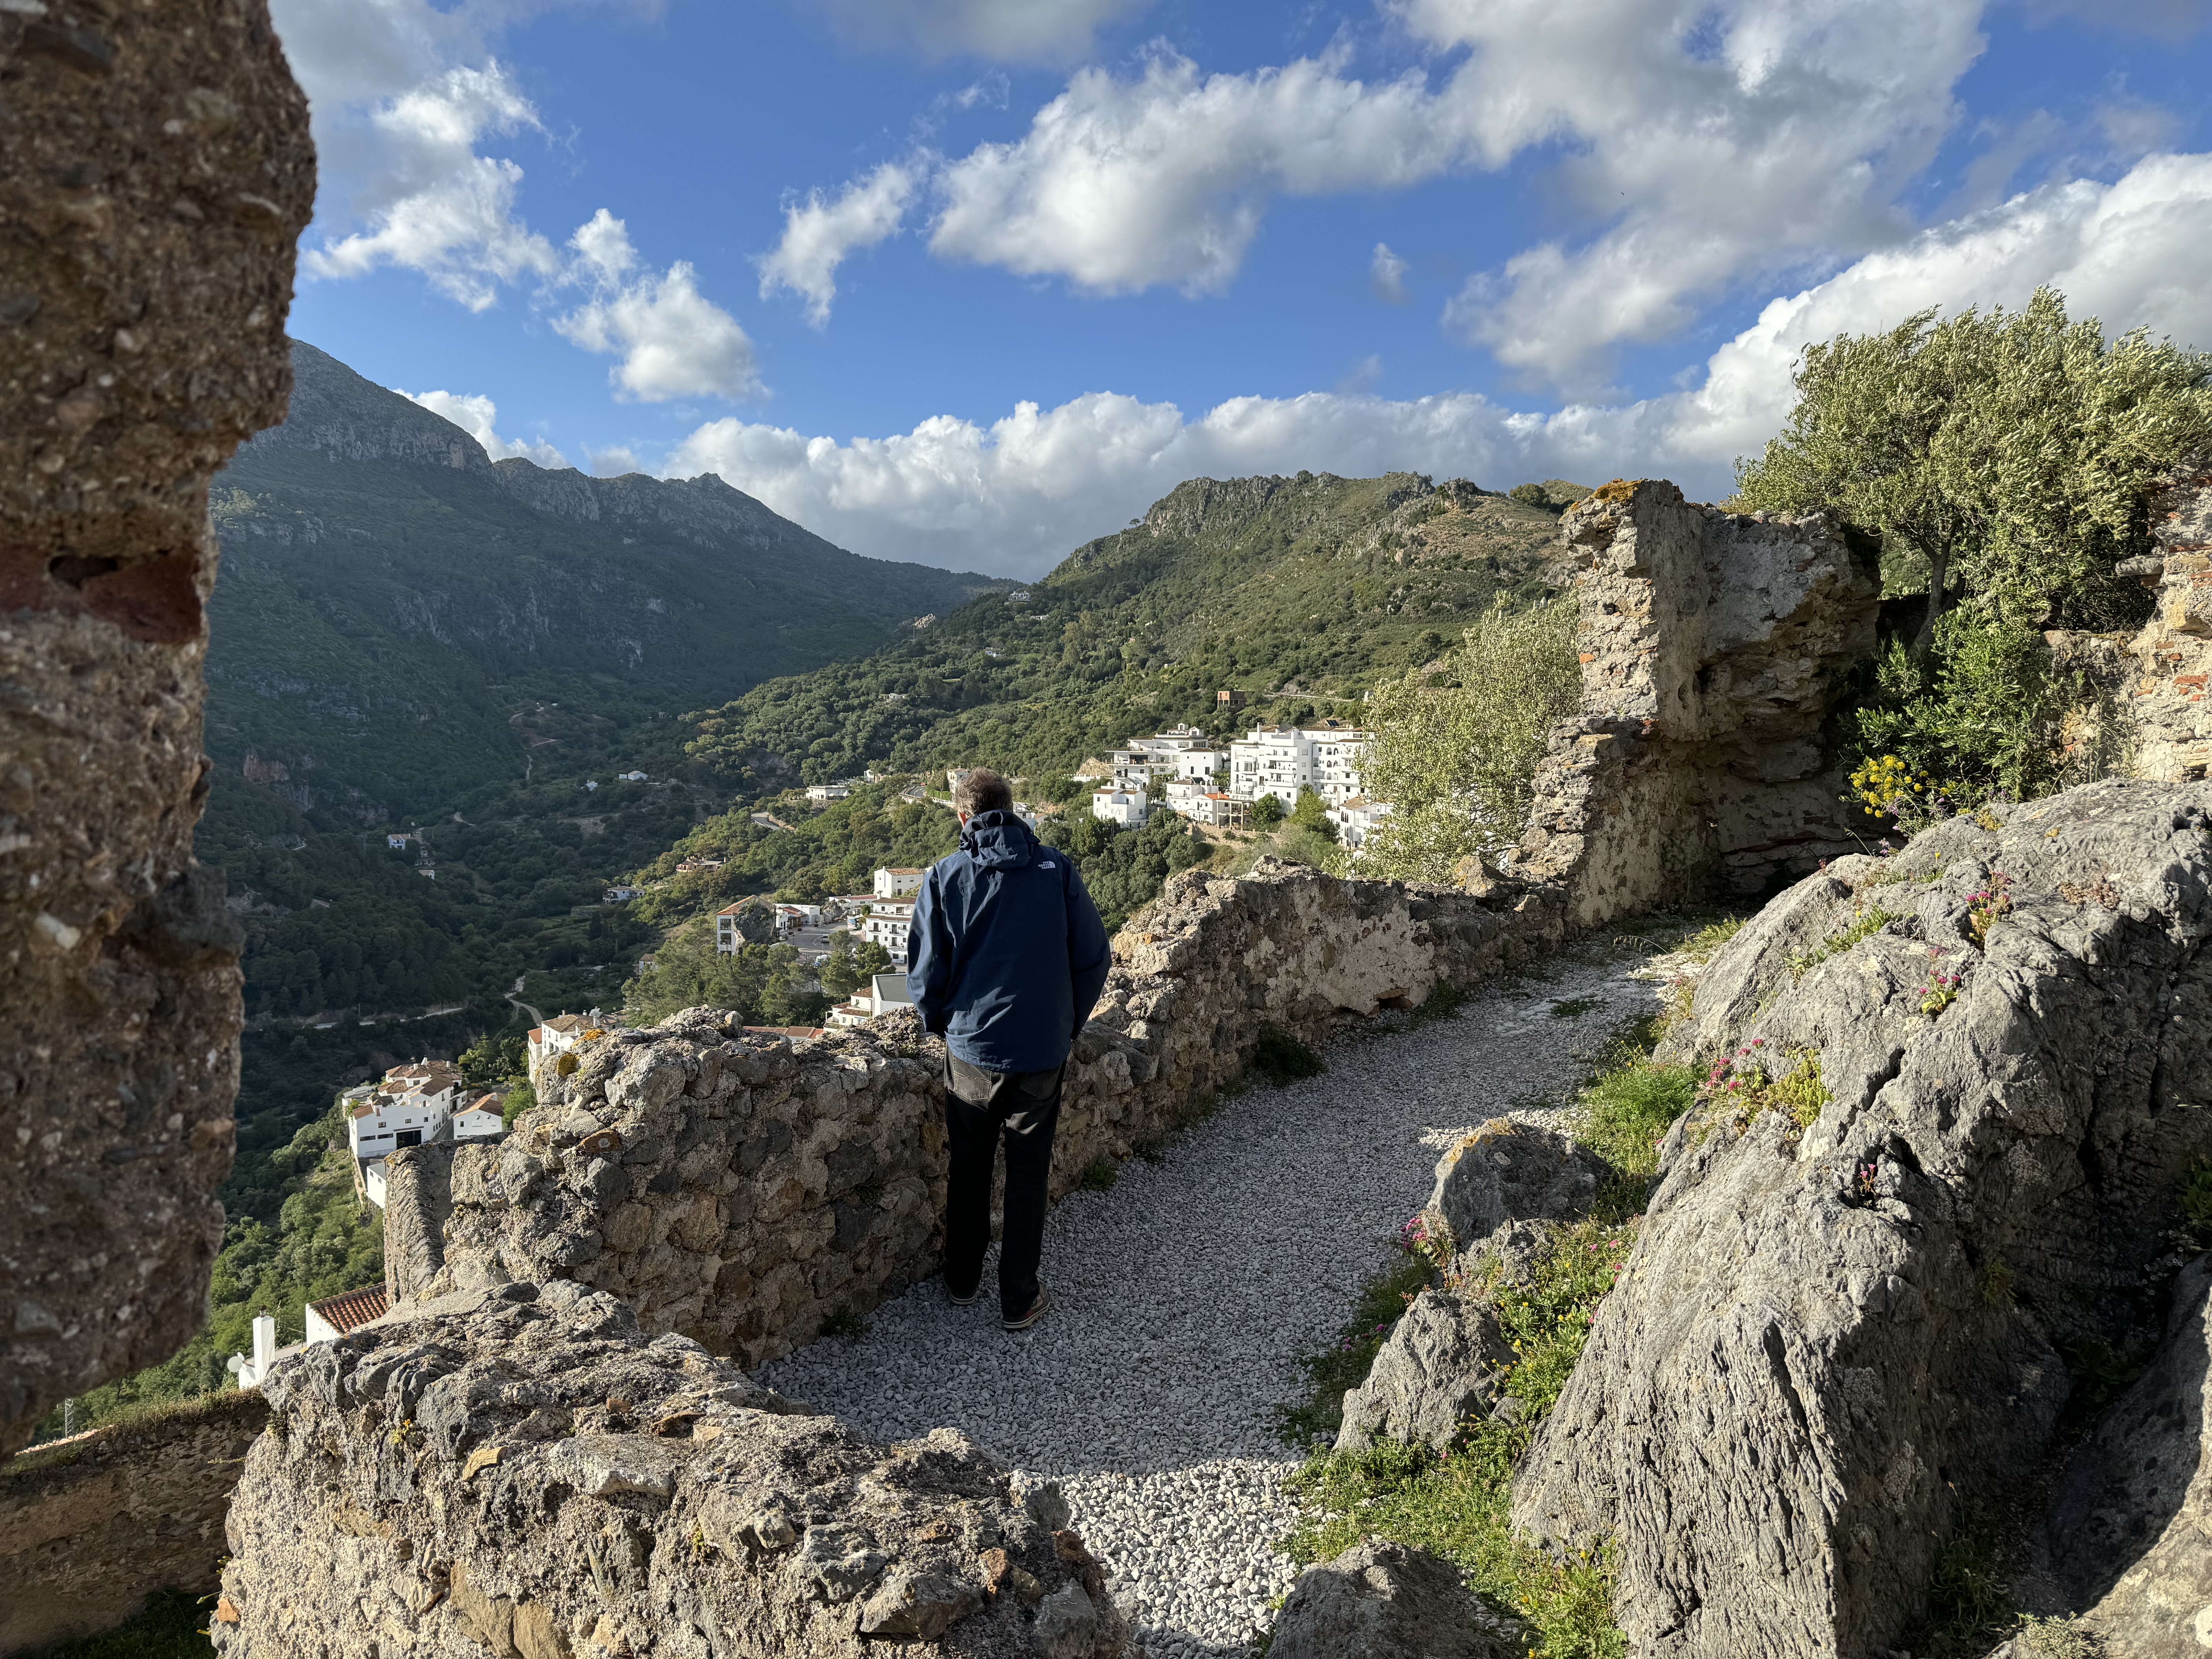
x=751 y=1189
x=90 y=1530
x=154 y=174
x=1712 y=645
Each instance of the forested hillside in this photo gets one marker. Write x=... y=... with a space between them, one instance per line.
x=1301 y=592
x=398 y=616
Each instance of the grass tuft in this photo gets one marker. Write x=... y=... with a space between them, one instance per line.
x=1864 y=925
x=1100 y=1174
x=1705 y=945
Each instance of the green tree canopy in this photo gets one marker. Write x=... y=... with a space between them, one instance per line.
x=1457 y=760
x=2010 y=450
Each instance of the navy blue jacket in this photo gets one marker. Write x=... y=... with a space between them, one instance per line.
x=1005 y=954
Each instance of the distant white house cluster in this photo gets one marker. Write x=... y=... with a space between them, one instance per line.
x=420 y=1105
x=1180 y=769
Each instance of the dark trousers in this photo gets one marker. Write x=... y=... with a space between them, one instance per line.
x=981 y=1108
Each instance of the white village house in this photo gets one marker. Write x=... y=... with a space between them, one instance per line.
x=882 y=994
x=407 y=1109
x=1356 y=819
x=1116 y=804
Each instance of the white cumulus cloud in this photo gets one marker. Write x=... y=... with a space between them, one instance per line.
x=477 y=414
x=432 y=203
x=672 y=340
x=1122 y=184
x=1700 y=146
x=819 y=234
x=1019 y=494
x=1007 y=31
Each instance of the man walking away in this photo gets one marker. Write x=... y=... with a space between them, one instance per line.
x=1005 y=955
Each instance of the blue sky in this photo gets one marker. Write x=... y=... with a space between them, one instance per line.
x=972 y=280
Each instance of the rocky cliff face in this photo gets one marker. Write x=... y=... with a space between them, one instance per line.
x=740 y=1192
x=1712 y=645
x=157 y=173
x=527 y=1474
x=1842 y=1323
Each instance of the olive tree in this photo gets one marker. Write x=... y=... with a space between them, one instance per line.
x=1455 y=749
x=2012 y=451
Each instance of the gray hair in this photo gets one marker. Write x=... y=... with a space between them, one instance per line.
x=983 y=791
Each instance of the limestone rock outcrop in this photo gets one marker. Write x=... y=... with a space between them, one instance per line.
x=1382 y=1601
x=1445 y=1361
x=525 y=1473
x=1712 y=646
x=155 y=173
x=1507 y=1171
x=751 y=1188
x=1842 y=1321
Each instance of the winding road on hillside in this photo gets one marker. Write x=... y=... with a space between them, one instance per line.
x=1186 y=1295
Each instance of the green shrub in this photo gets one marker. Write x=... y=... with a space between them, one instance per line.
x=1281 y=1057
x=1099 y=1175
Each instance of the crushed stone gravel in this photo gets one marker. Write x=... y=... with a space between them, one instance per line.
x=1187 y=1293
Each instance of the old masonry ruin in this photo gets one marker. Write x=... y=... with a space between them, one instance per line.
x=549 y=1446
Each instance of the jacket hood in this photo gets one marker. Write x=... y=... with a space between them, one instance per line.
x=997 y=841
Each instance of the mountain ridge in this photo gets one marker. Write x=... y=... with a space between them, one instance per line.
x=397 y=612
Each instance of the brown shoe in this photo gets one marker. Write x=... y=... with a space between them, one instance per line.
x=1038 y=1310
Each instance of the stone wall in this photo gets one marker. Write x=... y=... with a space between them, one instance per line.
x=1712 y=647
x=154 y=174
x=89 y=1530
x=759 y=1188
x=528 y=1475
x=2172 y=655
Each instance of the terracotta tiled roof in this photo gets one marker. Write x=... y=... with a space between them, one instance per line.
x=355 y=1308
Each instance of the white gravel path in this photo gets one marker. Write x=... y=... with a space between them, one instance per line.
x=1185 y=1296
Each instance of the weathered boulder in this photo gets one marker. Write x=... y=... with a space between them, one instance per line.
x=525 y=1472
x=1445 y=1360
x=155 y=173
x=1380 y=1600
x=1840 y=1320
x=1507 y=1171
x=2129 y=1535
x=1713 y=646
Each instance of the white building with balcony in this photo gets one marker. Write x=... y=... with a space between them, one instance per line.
x=1201 y=803
x=882 y=922
x=1282 y=760
x=1356 y=819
